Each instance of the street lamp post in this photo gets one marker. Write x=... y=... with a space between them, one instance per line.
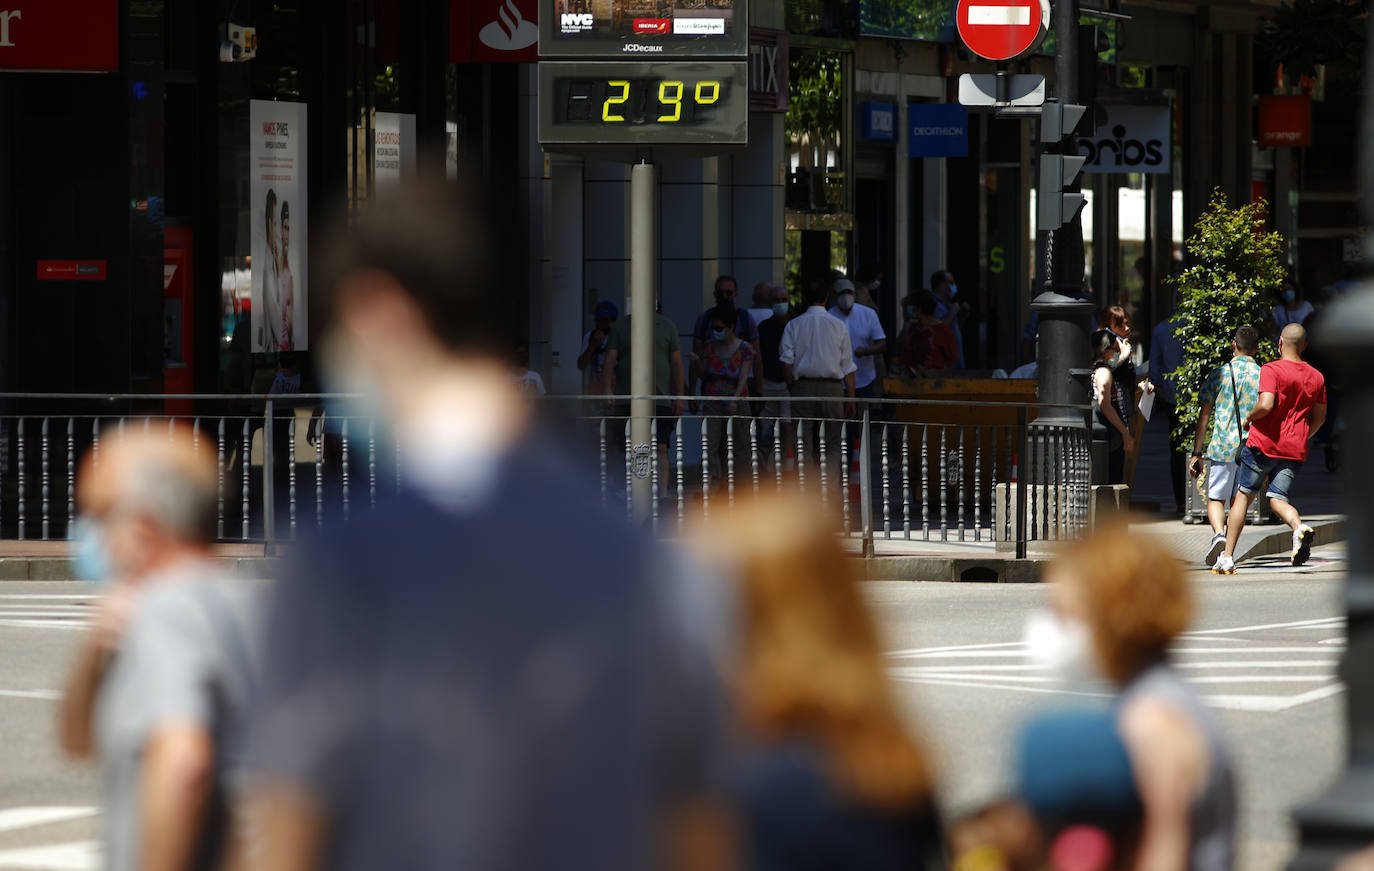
x=1341 y=821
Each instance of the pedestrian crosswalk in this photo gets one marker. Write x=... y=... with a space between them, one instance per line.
x=46 y=610
x=40 y=839
x=1264 y=668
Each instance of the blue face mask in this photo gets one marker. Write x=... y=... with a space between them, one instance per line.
x=953 y=291
x=1289 y=296
x=90 y=555
x=718 y=335
x=780 y=308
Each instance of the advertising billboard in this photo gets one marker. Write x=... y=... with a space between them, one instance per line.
x=278 y=218
x=643 y=29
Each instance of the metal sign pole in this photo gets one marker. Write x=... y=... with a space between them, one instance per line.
x=643 y=265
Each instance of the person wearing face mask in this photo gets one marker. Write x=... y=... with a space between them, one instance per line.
x=949 y=308
x=777 y=409
x=866 y=338
x=465 y=665
x=725 y=369
x=762 y=309
x=725 y=291
x=1111 y=403
x=1118 y=601
x=161 y=683
x=1293 y=309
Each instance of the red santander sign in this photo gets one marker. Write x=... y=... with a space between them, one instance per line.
x=1002 y=30
x=59 y=35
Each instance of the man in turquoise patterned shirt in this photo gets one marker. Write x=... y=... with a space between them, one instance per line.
x=1229 y=394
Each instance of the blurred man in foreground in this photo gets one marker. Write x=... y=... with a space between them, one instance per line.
x=161 y=680
x=464 y=678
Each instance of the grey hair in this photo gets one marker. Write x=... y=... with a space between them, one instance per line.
x=179 y=497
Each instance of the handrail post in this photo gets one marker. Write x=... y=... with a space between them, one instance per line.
x=268 y=506
x=1023 y=464
x=865 y=497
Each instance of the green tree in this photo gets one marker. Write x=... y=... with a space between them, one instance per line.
x=1234 y=280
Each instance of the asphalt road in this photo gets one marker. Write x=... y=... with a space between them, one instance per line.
x=1264 y=650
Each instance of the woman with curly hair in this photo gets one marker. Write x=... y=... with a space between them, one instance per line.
x=1119 y=601
x=830 y=778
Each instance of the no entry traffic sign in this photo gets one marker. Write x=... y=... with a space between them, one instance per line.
x=1002 y=30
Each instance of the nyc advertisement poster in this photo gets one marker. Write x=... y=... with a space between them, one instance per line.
x=277 y=215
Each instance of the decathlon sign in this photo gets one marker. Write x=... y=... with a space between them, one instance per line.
x=1131 y=139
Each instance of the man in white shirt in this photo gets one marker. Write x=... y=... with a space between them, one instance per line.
x=866 y=337
x=818 y=361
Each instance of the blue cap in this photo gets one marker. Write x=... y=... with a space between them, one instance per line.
x=606 y=309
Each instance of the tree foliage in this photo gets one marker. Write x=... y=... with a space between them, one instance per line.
x=1234 y=281
x=1305 y=34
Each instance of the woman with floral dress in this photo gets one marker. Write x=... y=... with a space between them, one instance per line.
x=725 y=365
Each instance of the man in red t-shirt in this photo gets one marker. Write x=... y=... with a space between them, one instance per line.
x=1290 y=410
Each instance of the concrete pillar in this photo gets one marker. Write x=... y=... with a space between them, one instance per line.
x=934 y=240
x=754 y=204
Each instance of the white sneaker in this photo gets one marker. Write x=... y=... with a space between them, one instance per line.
x=1215 y=548
x=1225 y=565
x=1302 y=543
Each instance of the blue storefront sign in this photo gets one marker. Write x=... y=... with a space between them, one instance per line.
x=878 y=121
x=937 y=130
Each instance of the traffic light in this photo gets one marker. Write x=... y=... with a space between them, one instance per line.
x=1057 y=171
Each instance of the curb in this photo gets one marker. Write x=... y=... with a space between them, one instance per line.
x=22 y=568
x=1007 y=570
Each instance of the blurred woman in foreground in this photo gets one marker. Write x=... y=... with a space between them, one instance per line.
x=830 y=777
x=1119 y=601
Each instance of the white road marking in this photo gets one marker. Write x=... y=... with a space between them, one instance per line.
x=76 y=856
x=24 y=817
x=1210 y=658
x=1003 y=16
x=8 y=596
x=49 y=695
x=41 y=611
x=1322 y=623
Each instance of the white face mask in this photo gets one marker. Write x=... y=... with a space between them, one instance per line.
x=1062 y=647
x=846 y=301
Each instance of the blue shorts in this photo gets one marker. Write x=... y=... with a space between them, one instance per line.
x=1255 y=467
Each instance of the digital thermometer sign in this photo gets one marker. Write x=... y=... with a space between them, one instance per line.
x=620 y=103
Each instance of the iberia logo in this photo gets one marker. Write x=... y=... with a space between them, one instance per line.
x=652 y=25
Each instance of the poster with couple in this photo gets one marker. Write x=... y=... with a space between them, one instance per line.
x=278 y=216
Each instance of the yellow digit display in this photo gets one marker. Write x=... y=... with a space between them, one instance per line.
x=624 y=87
x=674 y=100
x=701 y=94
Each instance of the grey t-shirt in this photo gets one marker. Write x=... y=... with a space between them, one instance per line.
x=185 y=658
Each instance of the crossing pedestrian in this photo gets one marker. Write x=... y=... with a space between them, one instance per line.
x=1290 y=410
x=160 y=685
x=726 y=289
x=1118 y=602
x=1228 y=396
x=492 y=670
x=828 y=776
x=725 y=367
x=818 y=363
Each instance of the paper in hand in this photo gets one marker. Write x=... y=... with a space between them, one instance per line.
x=1147 y=403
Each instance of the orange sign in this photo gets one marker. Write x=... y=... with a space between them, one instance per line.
x=1285 y=121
